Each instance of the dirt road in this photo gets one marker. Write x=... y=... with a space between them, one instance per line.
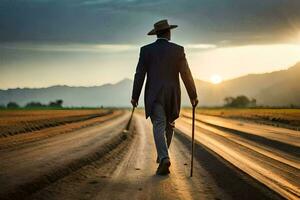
x=28 y=167
x=269 y=154
x=93 y=163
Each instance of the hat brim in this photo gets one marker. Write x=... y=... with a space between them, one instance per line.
x=154 y=32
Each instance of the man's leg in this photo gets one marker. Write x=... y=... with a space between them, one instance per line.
x=169 y=132
x=159 y=121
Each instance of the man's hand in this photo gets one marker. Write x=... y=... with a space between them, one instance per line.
x=134 y=102
x=194 y=102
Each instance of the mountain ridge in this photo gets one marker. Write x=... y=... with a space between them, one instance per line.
x=278 y=88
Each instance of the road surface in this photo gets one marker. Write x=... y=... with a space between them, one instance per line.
x=94 y=163
x=269 y=154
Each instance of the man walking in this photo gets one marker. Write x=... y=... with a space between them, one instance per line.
x=162 y=62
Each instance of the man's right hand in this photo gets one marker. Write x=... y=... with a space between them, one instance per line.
x=134 y=102
x=194 y=102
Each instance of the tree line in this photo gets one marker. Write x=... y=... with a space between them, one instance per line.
x=240 y=101
x=34 y=104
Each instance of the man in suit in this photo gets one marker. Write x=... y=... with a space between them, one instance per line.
x=162 y=62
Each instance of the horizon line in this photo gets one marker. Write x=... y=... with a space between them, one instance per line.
x=126 y=78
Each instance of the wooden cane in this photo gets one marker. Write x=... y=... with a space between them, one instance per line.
x=193 y=137
x=129 y=122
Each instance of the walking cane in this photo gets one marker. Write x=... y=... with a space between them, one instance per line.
x=129 y=122
x=193 y=137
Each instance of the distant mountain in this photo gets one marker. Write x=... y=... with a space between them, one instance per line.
x=106 y=95
x=279 y=88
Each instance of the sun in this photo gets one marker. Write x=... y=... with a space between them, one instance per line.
x=216 y=79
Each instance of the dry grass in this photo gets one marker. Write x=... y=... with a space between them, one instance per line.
x=21 y=121
x=289 y=117
x=18 y=139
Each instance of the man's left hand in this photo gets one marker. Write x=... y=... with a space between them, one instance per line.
x=134 y=102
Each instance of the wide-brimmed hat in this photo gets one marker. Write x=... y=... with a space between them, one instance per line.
x=161 y=26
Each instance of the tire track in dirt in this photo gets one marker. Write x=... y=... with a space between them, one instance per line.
x=22 y=140
x=132 y=175
x=264 y=165
x=135 y=177
x=127 y=171
x=233 y=183
x=30 y=169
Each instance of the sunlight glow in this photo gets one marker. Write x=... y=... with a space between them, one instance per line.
x=231 y=62
x=216 y=79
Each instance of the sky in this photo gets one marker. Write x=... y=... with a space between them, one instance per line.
x=92 y=42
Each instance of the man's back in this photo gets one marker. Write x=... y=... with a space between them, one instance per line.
x=163 y=61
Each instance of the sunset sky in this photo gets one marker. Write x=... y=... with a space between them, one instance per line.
x=92 y=42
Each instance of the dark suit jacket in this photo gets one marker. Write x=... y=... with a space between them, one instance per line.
x=162 y=62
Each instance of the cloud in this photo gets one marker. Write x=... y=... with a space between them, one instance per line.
x=88 y=48
x=127 y=21
x=200 y=46
x=95 y=48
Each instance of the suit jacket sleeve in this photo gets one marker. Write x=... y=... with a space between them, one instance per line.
x=139 y=76
x=186 y=75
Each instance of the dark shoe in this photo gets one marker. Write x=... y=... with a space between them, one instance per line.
x=163 y=168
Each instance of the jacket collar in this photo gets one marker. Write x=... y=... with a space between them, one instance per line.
x=162 y=39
